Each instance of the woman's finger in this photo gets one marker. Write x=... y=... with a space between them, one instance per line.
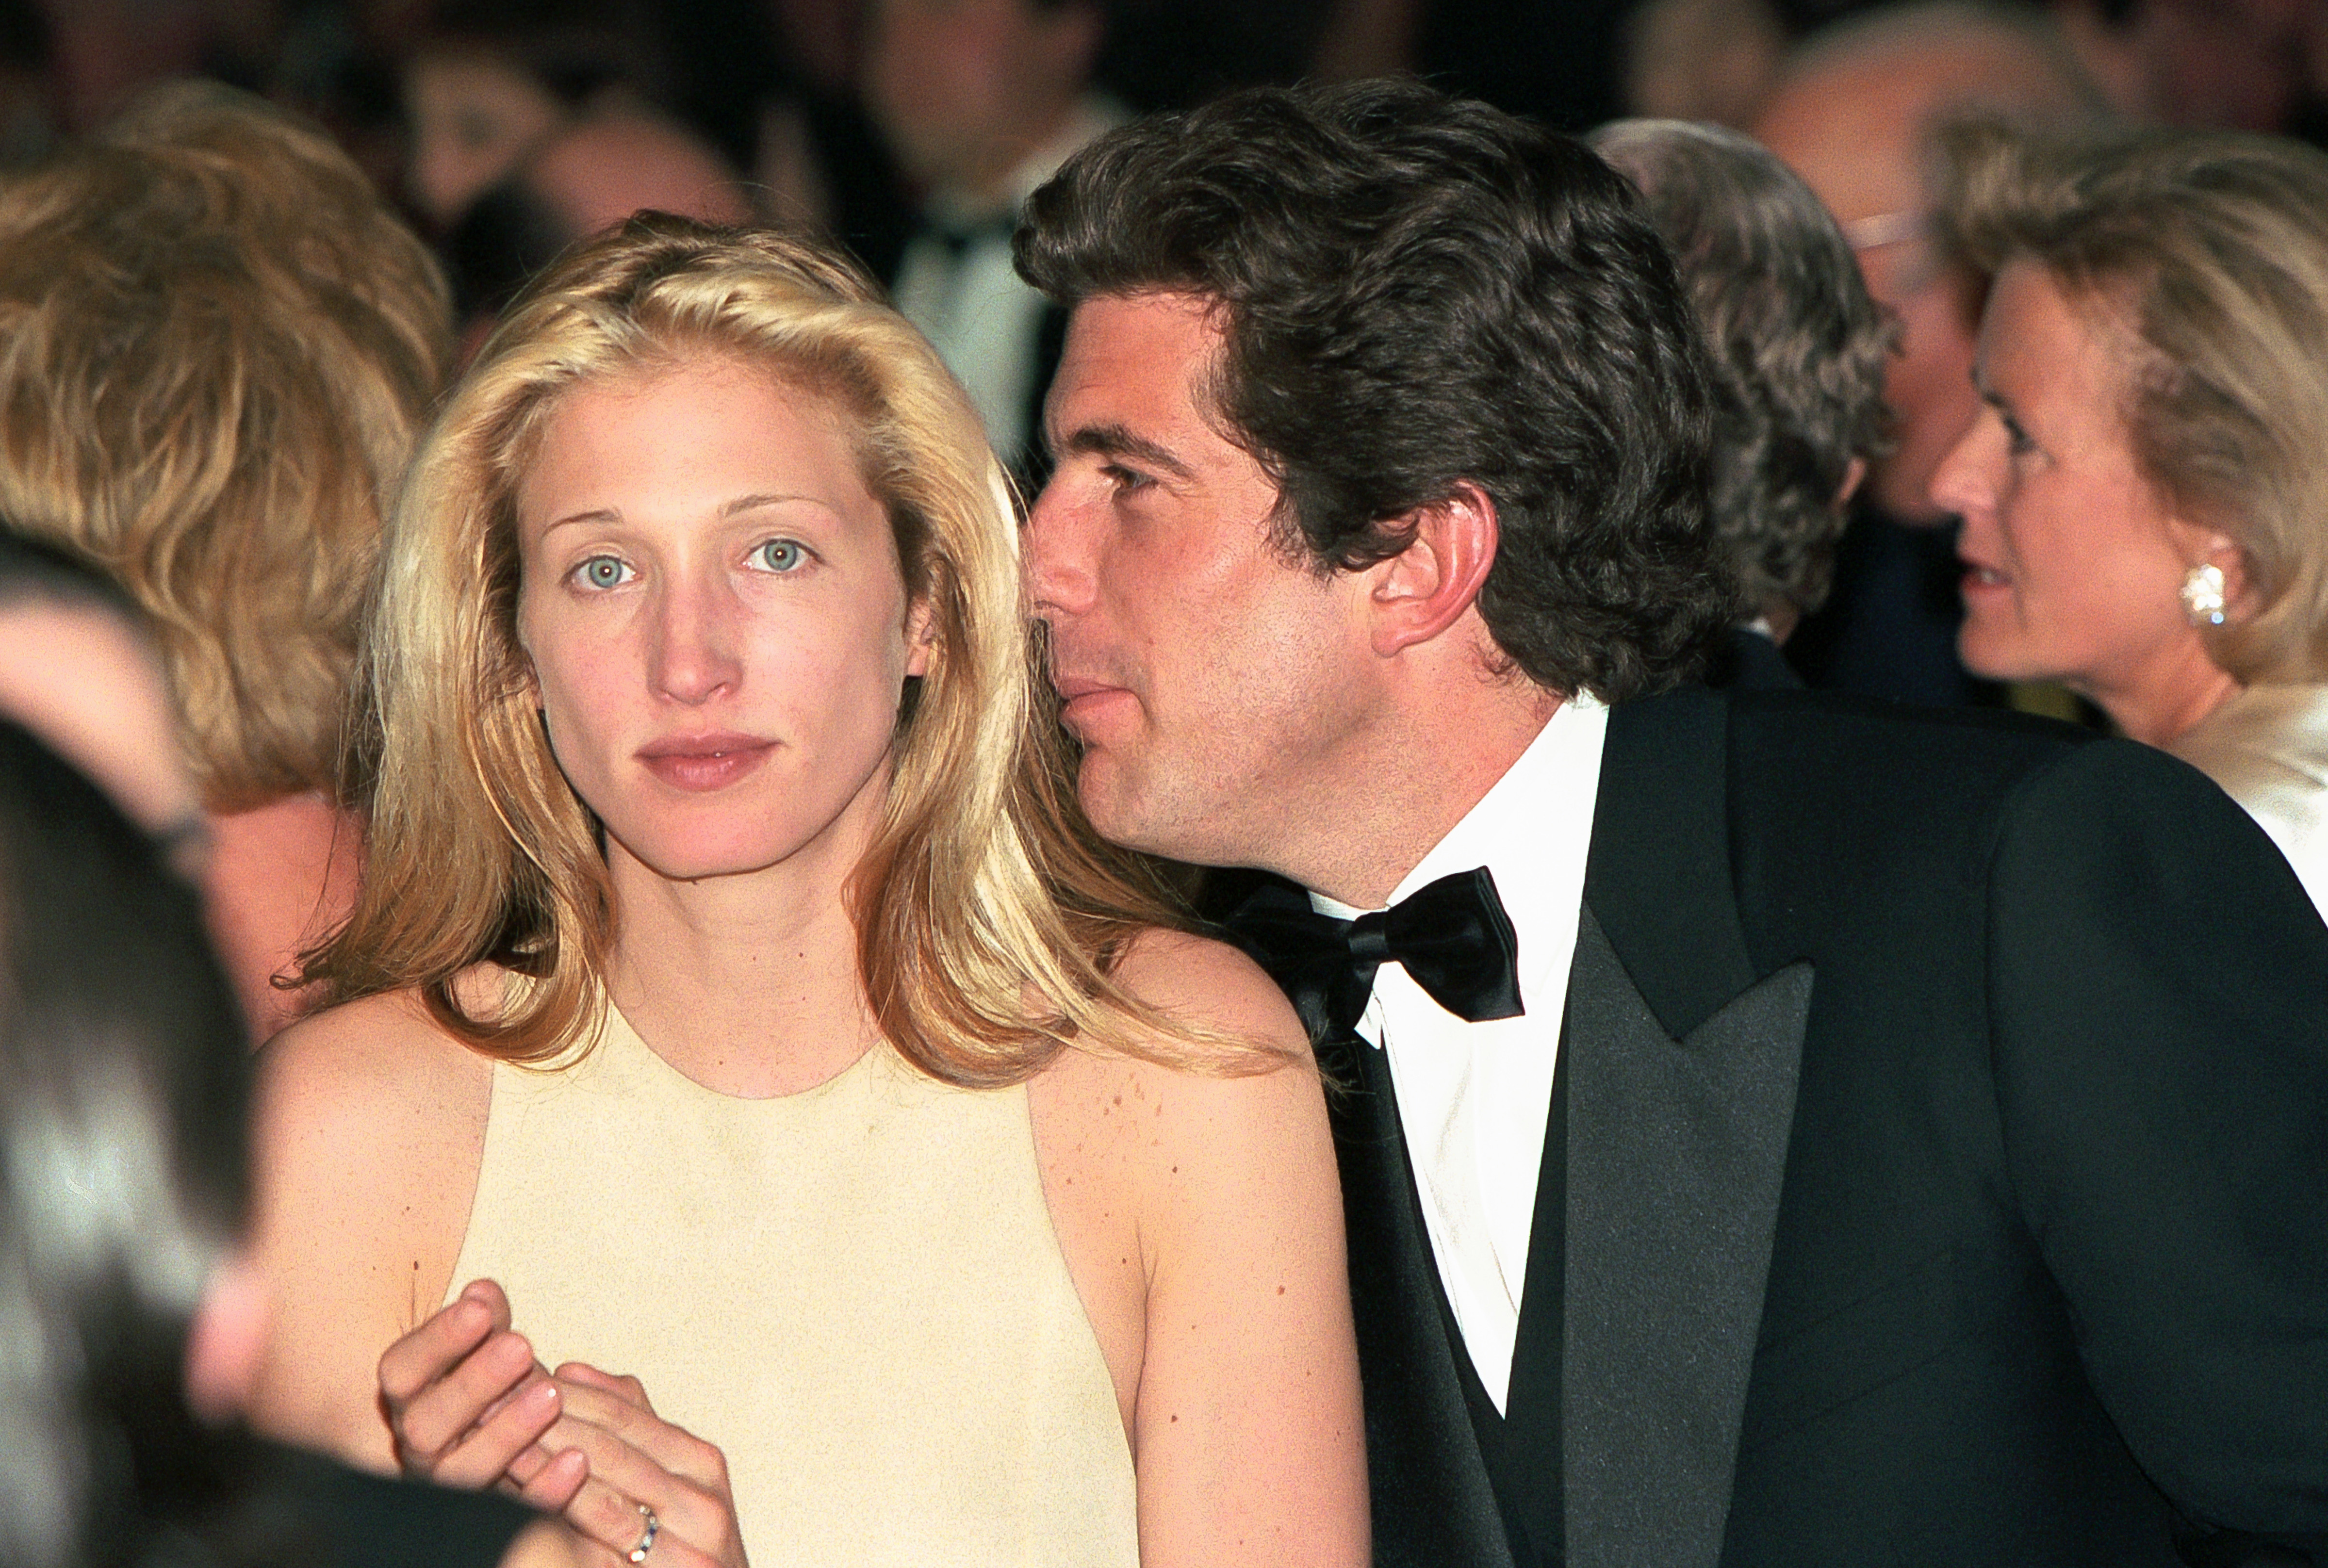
x=622 y=1478
x=675 y=1449
x=611 y=1519
x=625 y=1387
x=546 y=1480
x=667 y=1551
x=429 y=1419
x=508 y=1430
x=429 y=1352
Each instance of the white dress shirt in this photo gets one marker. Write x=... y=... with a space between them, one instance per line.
x=973 y=305
x=1473 y=1099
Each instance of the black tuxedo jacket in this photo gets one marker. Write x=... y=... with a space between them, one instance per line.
x=1938 y=1173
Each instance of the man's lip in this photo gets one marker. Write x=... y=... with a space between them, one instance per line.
x=1981 y=575
x=1074 y=686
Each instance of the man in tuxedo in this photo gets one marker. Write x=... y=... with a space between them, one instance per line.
x=1774 y=1131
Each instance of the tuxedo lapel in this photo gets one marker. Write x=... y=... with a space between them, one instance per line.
x=1679 y=1082
x=1657 y=876
x=1676 y=1153
x=1433 y=1504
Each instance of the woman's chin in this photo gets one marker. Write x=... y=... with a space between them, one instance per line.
x=708 y=862
x=1996 y=658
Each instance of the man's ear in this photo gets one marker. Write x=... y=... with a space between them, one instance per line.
x=1423 y=590
x=1854 y=473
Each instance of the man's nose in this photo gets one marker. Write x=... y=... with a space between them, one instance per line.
x=1059 y=553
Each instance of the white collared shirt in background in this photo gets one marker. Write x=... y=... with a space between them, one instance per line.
x=980 y=314
x=1473 y=1099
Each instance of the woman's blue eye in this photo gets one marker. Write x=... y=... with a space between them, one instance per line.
x=780 y=555
x=603 y=571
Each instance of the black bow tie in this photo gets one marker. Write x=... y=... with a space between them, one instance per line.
x=1452 y=937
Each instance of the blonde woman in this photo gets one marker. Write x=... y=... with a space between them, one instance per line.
x=2145 y=494
x=731 y=989
x=217 y=345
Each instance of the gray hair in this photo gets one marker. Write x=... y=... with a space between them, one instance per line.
x=1796 y=346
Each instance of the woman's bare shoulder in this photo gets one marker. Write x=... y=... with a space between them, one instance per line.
x=1262 y=1086
x=1211 y=986
x=376 y=1051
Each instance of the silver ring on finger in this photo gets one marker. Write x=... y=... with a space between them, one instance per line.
x=638 y=1554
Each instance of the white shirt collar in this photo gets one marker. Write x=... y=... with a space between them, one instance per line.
x=1472 y=1097
x=1506 y=831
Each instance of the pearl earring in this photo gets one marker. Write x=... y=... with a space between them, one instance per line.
x=2202 y=595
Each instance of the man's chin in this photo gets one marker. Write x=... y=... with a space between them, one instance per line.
x=1121 y=811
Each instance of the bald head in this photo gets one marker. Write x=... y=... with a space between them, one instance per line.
x=604 y=167
x=1853 y=114
x=1854 y=105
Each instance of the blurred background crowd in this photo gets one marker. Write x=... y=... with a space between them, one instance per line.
x=269 y=314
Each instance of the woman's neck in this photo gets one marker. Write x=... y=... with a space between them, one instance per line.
x=2172 y=694
x=746 y=984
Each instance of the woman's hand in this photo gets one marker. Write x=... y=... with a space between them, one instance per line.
x=470 y=1407
x=642 y=1467
x=467 y=1404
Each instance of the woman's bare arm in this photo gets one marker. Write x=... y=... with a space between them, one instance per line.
x=1204 y=1228
x=370 y=1130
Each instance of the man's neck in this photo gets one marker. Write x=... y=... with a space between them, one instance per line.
x=1419 y=777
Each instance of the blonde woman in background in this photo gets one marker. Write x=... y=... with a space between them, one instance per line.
x=217 y=345
x=733 y=989
x=2145 y=494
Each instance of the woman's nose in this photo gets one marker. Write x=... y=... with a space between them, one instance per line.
x=1963 y=483
x=695 y=656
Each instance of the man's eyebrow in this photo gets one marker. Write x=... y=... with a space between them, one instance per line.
x=1115 y=441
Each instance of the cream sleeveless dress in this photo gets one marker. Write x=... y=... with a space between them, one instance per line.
x=854 y=1292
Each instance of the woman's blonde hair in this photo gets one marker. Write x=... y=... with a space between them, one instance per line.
x=987 y=915
x=2211 y=248
x=217 y=345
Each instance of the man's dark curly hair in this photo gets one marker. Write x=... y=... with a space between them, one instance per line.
x=1416 y=292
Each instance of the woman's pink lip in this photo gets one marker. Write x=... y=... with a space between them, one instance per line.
x=704 y=763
